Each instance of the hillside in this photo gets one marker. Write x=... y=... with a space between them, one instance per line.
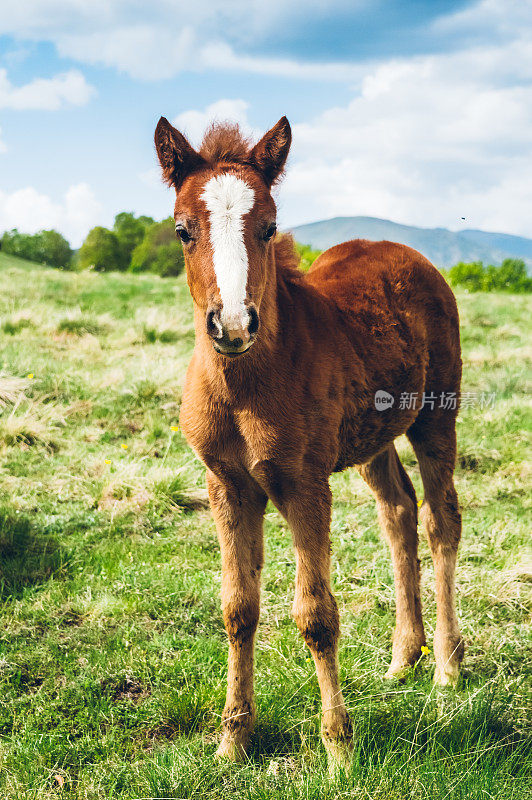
x=441 y=246
x=113 y=651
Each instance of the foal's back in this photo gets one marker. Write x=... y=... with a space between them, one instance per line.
x=389 y=293
x=400 y=335
x=377 y=283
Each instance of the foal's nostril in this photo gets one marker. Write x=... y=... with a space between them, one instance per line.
x=253 y=324
x=214 y=326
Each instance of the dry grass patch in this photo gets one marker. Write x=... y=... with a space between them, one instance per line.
x=12 y=389
x=31 y=423
x=133 y=486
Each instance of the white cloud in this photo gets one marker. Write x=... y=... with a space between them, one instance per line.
x=161 y=39
x=30 y=211
x=154 y=52
x=506 y=17
x=46 y=93
x=165 y=39
x=193 y=123
x=426 y=141
x=146 y=52
x=218 y=55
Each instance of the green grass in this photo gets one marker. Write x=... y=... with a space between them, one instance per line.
x=112 y=647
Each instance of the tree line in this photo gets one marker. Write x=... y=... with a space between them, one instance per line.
x=510 y=276
x=133 y=244
x=140 y=244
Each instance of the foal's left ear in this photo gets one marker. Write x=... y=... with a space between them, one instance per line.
x=270 y=153
x=176 y=156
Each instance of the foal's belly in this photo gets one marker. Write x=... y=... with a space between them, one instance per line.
x=371 y=423
x=363 y=437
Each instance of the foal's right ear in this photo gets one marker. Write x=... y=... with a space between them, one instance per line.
x=176 y=156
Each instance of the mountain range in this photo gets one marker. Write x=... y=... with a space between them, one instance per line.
x=440 y=245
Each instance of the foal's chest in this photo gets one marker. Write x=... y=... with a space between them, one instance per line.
x=267 y=438
x=262 y=442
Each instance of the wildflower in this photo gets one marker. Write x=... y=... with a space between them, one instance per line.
x=29 y=376
x=107 y=461
x=419 y=503
x=425 y=650
x=174 y=428
x=123 y=446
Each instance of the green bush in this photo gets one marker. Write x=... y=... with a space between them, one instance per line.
x=45 y=247
x=470 y=276
x=159 y=251
x=130 y=231
x=510 y=276
x=101 y=251
x=307 y=255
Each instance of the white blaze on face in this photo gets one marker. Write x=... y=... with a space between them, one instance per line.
x=228 y=198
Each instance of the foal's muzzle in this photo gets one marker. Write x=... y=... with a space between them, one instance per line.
x=235 y=338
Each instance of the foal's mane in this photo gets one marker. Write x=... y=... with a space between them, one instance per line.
x=286 y=258
x=224 y=141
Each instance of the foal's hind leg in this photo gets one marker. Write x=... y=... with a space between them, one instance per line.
x=397 y=509
x=434 y=441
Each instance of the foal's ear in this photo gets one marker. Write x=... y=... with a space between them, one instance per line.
x=270 y=154
x=176 y=156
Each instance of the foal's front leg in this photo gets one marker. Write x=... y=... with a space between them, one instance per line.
x=238 y=510
x=315 y=611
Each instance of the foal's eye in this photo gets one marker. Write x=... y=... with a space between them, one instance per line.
x=183 y=234
x=269 y=232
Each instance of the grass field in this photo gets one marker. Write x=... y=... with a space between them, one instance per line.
x=112 y=647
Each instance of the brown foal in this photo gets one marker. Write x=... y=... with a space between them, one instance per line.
x=282 y=391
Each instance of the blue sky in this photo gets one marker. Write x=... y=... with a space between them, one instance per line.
x=420 y=112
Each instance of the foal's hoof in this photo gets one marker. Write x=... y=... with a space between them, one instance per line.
x=400 y=667
x=397 y=672
x=447 y=675
x=406 y=652
x=449 y=652
x=237 y=726
x=337 y=738
x=339 y=756
x=232 y=748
